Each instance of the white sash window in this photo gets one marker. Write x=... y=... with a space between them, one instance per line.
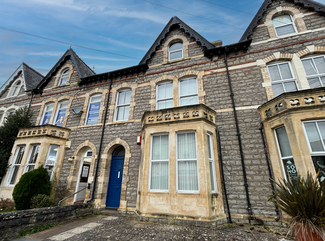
x=15 y=165
x=165 y=95
x=123 y=105
x=188 y=92
x=32 y=157
x=315 y=71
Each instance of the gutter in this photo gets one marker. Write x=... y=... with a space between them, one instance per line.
x=239 y=137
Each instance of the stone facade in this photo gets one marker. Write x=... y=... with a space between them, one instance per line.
x=250 y=94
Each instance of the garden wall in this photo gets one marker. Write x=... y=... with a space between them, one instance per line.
x=11 y=223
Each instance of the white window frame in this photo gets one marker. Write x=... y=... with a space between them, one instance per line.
x=177 y=50
x=90 y=102
x=280 y=154
x=211 y=160
x=2 y=114
x=318 y=75
x=184 y=96
x=59 y=107
x=44 y=112
x=65 y=74
x=292 y=23
x=314 y=153
x=164 y=99
x=151 y=161
x=197 y=164
x=14 y=164
x=15 y=89
x=56 y=158
x=28 y=164
x=122 y=105
x=282 y=80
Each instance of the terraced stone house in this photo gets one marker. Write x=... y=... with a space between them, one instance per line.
x=194 y=132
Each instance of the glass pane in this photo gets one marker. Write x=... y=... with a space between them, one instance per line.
x=30 y=168
x=191 y=100
x=161 y=91
x=211 y=176
x=93 y=114
x=33 y=154
x=323 y=80
x=120 y=113
x=320 y=64
x=288 y=29
x=1 y=115
x=274 y=73
x=290 y=86
x=20 y=154
x=184 y=87
x=281 y=20
x=14 y=175
x=127 y=97
x=60 y=117
x=209 y=147
x=169 y=90
x=121 y=98
x=291 y=171
x=187 y=176
x=176 y=55
x=309 y=67
x=63 y=80
x=321 y=127
x=159 y=176
x=161 y=105
x=126 y=112
x=95 y=98
x=49 y=107
x=46 y=118
x=51 y=158
x=285 y=71
x=283 y=140
x=160 y=147
x=313 y=137
x=314 y=82
x=176 y=46
x=186 y=146
x=63 y=105
x=319 y=164
x=120 y=151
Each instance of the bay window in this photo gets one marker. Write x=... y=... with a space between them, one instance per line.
x=51 y=159
x=188 y=92
x=93 y=109
x=187 y=166
x=159 y=163
x=123 y=105
x=315 y=133
x=16 y=164
x=165 y=95
x=315 y=71
x=211 y=164
x=288 y=164
x=47 y=113
x=32 y=157
x=282 y=78
x=60 y=113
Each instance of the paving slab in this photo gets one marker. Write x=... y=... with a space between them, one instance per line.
x=127 y=227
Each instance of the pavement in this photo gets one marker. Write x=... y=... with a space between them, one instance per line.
x=127 y=227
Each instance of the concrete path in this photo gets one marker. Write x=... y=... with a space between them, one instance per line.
x=125 y=227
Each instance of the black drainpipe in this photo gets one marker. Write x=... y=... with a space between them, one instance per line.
x=270 y=171
x=100 y=144
x=223 y=175
x=239 y=138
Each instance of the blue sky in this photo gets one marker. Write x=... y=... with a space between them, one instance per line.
x=126 y=27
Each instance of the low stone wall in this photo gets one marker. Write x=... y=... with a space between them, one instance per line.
x=12 y=223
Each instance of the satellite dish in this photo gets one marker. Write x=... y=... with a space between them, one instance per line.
x=76 y=110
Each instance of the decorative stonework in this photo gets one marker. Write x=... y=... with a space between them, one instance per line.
x=45 y=130
x=292 y=100
x=103 y=178
x=184 y=113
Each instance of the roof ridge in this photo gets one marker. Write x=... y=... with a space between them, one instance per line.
x=33 y=69
x=82 y=60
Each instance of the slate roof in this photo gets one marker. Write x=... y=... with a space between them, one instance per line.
x=315 y=6
x=175 y=21
x=83 y=70
x=31 y=78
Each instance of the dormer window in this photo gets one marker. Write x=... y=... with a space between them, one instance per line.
x=175 y=51
x=15 y=89
x=283 y=25
x=64 y=77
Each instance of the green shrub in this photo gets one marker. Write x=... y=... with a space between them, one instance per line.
x=41 y=201
x=6 y=205
x=31 y=184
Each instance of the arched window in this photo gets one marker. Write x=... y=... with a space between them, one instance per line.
x=60 y=113
x=64 y=77
x=123 y=105
x=164 y=95
x=15 y=89
x=93 y=109
x=283 y=25
x=175 y=51
x=47 y=113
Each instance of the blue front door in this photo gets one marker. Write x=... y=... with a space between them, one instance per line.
x=115 y=182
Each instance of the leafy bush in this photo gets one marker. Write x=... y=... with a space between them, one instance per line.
x=31 y=184
x=304 y=201
x=41 y=201
x=8 y=134
x=6 y=205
